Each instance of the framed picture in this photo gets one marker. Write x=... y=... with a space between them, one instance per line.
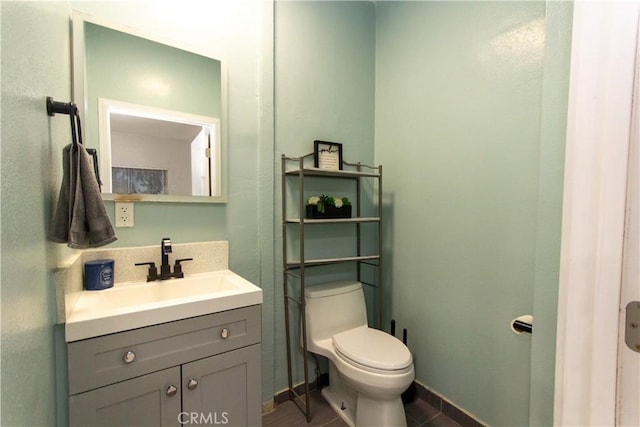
x=327 y=155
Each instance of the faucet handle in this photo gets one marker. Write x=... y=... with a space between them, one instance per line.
x=153 y=270
x=177 y=268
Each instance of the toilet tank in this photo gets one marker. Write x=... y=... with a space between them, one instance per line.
x=333 y=308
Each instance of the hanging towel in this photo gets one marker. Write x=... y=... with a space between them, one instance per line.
x=80 y=219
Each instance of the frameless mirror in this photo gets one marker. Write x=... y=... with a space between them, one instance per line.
x=155 y=112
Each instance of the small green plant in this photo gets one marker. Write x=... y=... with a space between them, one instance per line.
x=321 y=202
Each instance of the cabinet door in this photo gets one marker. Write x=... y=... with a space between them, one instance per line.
x=224 y=389
x=149 y=400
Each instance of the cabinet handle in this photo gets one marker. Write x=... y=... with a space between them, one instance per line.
x=171 y=391
x=192 y=384
x=129 y=357
x=224 y=333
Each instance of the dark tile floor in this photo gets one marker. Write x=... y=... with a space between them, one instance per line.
x=419 y=413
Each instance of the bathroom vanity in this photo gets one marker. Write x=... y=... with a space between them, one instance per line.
x=170 y=352
x=204 y=369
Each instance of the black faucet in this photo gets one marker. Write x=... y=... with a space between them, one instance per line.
x=165 y=250
x=165 y=267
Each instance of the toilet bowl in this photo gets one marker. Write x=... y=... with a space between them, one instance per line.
x=368 y=369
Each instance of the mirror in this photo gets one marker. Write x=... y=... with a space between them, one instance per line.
x=155 y=112
x=153 y=151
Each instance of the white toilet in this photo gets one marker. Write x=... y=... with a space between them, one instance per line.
x=368 y=369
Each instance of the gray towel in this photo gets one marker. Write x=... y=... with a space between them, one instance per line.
x=80 y=219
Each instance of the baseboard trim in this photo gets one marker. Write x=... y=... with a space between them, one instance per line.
x=284 y=395
x=459 y=415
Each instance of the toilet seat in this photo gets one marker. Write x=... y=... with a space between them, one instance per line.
x=372 y=349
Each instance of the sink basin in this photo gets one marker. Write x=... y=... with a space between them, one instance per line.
x=137 y=304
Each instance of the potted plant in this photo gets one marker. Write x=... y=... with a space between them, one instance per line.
x=328 y=207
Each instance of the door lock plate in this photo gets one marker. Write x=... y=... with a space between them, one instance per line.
x=632 y=326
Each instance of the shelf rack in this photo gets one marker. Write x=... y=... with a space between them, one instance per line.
x=296 y=168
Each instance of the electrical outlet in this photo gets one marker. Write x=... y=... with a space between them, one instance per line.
x=124 y=214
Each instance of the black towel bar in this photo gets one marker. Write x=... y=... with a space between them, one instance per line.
x=71 y=109
x=54 y=107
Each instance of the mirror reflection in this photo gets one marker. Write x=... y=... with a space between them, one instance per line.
x=154 y=111
x=154 y=151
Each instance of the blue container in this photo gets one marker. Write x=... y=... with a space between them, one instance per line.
x=98 y=274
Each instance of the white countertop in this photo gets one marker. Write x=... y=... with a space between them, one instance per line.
x=134 y=305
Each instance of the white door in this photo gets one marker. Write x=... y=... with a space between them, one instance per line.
x=597 y=375
x=200 y=164
x=628 y=389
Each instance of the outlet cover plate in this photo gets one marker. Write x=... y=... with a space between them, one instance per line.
x=124 y=214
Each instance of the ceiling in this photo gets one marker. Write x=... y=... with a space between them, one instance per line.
x=155 y=128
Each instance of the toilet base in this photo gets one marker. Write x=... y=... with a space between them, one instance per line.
x=345 y=411
x=358 y=410
x=387 y=413
x=367 y=412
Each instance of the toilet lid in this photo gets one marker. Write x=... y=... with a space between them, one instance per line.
x=373 y=348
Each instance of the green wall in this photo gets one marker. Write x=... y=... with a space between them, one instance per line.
x=131 y=69
x=470 y=107
x=324 y=89
x=555 y=90
x=226 y=30
x=459 y=133
x=462 y=102
x=35 y=64
x=118 y=65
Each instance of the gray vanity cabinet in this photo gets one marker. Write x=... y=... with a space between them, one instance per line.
x=142 y=401
x=220 y=388
x=201 y=370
